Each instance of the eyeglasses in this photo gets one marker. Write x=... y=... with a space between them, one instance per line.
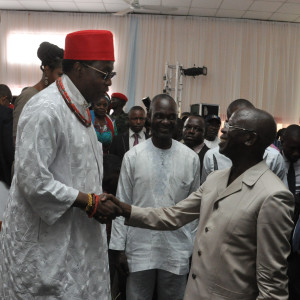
x=106 y=75
x=227 y=126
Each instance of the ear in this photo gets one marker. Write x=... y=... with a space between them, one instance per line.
x=46 y=70
x=78 y=69
x=3 y=100
x=250 y=139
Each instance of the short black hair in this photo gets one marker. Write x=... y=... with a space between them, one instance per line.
x=238 y=104
x=136 y=107
x=292 y=130
x=5 y=91
x=68 y=64
x=195 y=116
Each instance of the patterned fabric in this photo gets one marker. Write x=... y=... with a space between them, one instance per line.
x=50 y=250
x=152 y=177
x=105 y=134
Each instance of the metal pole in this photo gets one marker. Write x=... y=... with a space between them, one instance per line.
x=176 y=82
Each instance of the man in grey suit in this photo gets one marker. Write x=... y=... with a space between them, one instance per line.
x=245 y=219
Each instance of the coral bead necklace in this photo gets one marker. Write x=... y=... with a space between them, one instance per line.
x=72 y=106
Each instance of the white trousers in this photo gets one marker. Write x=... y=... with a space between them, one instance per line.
x=140 y=285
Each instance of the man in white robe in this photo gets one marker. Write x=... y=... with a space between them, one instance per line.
x=50 y=249
x=157 y=173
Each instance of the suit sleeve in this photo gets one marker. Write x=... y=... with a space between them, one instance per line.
x=169 y=218
x=274 y=227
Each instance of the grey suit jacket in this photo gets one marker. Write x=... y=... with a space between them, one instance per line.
x=242 y=240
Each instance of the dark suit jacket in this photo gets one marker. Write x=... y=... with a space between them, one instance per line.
x=6 y=144
x=201 y=157
x=120 y=144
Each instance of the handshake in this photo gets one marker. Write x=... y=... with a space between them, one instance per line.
x=107 y=207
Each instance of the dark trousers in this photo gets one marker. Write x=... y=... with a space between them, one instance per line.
x=294 y=276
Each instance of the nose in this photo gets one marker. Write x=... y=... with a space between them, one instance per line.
x=192 y=130
x=224 y=130
x=166 y=121
x=108 y=82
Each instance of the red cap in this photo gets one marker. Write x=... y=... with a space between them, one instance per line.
x=89 y=45
x=119 y=96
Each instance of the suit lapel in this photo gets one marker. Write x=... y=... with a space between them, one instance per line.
x=126 y=141
x=224 y=190
x=249 y=177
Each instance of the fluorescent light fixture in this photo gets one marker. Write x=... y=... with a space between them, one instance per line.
x=22 y=46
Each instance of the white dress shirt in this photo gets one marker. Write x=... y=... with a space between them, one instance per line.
x=141 y=137
x=152 y=177
x=198 y=148
x=212 y=144
x=50 y=250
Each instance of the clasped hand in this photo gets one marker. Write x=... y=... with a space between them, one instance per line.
x=108 y=208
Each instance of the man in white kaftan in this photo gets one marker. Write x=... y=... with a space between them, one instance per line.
x=155 y=177
x=50 y=249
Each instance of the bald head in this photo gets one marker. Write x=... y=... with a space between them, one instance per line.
x=159 y=98
x=238 y=104
x=259 y=121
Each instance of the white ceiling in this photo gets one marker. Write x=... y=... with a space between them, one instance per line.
x=275 y=10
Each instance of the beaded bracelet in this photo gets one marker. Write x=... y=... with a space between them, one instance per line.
x=90 y=203
x=96 y=197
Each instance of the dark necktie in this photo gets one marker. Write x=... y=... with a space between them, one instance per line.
x=136 y=139
x=291 y=178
